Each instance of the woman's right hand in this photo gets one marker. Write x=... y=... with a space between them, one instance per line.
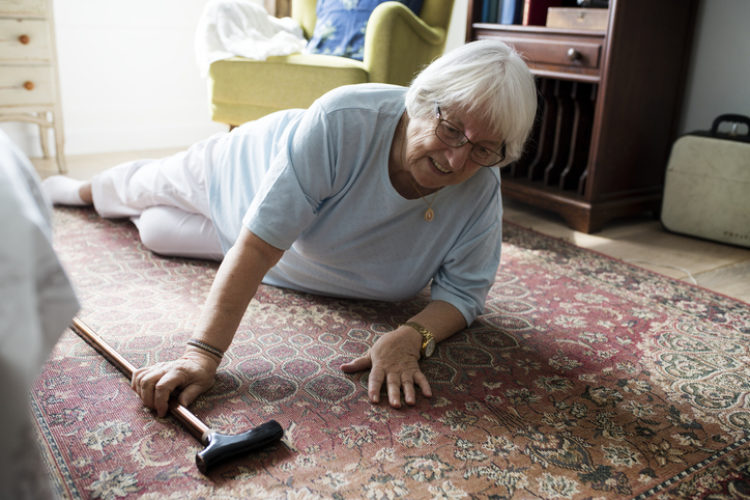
x=194 y=373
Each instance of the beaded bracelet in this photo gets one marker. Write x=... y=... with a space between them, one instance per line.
x=206 y=347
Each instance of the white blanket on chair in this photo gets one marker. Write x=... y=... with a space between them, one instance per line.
x=243 y=28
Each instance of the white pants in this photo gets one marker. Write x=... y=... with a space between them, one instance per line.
x=166 y=199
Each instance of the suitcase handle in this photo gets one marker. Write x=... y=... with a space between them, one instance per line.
x=731 y=118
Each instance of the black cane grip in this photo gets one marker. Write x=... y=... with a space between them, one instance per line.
x=222 y=447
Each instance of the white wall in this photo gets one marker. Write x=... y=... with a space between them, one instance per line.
x=128 y=76
x=129 y=79
x=719 y=76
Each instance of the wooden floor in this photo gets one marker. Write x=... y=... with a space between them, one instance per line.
x=643 y=242
x=640 y=241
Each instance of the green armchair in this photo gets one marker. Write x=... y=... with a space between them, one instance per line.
x=397 y=45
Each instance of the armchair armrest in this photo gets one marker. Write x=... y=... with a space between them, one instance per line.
x=398 y=44
x=303 y=11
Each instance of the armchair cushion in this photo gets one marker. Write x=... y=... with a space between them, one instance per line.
x=340 y=26
x=243 y=89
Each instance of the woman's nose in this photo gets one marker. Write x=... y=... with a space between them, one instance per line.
x=457 y=157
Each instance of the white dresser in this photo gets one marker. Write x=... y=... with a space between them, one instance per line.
x=29 y=84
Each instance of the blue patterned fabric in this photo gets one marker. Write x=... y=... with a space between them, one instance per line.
x=340 y=26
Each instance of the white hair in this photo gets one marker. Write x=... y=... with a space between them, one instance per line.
x=486 y=79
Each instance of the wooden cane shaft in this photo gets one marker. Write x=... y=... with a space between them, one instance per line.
x=192 y=423
x=105 y=349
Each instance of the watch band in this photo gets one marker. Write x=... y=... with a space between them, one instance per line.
x=428 y=339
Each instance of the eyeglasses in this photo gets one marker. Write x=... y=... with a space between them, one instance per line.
x=451 y=135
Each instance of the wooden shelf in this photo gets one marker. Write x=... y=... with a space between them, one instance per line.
x=609 y=104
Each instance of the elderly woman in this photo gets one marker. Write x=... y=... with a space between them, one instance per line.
x=373 y=192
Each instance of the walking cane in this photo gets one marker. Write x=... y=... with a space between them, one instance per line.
x=218 y=447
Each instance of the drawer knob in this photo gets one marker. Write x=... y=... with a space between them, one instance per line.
x=24 y=39
x=28 y=85
x=574 y=55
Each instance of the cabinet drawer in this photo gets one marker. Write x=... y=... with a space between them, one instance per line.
x=552 y=53
x=12 y=85
x=32 y=8
x=24 y=40
x=573 y=54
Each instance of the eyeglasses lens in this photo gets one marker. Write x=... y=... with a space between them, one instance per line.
x=452 y=136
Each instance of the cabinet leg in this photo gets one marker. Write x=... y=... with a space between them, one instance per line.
x=59 y=144
x=61 y=167
x=583 y=221
x=594 y=219
x=44 y=135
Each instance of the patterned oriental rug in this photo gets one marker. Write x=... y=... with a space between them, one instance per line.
x=586 y=378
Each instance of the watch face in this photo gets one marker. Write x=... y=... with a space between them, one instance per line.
x=429 y=349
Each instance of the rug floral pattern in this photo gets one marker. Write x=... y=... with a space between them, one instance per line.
x=586 y=378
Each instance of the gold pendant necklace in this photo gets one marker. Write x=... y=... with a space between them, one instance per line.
x=429 y=214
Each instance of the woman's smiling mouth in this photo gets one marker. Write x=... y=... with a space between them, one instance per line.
x=438 y=167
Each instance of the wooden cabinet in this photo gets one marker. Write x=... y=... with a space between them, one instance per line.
x=29 y=89
x=609 y=109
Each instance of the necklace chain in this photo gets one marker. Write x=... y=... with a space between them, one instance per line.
x=429 y=214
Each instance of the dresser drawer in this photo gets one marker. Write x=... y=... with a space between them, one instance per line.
x=558 y=53
x=28 y=8
x=24 y=40
x=26 y=85
x=570 y=53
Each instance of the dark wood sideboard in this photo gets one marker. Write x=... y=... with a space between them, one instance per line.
x=610 y=103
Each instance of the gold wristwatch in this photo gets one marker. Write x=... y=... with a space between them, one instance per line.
x=428 y=340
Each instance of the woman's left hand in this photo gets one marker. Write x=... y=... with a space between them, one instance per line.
x=393 y=360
